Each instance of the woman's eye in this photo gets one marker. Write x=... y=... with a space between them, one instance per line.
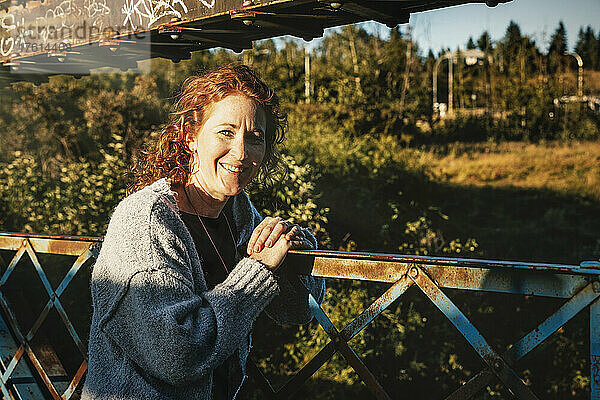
x=257 y=137
x=226 y=132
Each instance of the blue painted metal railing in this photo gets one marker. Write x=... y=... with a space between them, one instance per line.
x=31 y=371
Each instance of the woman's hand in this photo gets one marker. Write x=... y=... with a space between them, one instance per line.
x=273 y=236
x=267 y=233
x=273 y=256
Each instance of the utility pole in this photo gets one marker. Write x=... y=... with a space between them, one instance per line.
x=406 y=82
x=307 y=75
x=355 y=62
x=450 y=83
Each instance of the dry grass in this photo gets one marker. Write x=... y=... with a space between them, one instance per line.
x=591 y=82
x=571 y=169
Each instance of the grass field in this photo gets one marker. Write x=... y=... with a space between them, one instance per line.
x=569 y=169
x=519 y=200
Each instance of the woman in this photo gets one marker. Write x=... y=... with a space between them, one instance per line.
x=187 y=263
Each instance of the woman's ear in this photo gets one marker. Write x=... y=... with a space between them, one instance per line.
x=188 y=133
x=190 y=141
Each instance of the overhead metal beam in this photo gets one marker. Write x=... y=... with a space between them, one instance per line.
x=79 y=26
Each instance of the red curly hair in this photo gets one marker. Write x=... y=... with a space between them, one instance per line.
x=170 y=157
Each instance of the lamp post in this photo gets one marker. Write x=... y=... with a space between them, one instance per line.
x=469 y=55
x=579 y=72
x=435 y=68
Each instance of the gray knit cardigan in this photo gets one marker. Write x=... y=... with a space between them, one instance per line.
x=157 y=332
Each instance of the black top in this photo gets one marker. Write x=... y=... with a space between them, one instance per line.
x=214 y=273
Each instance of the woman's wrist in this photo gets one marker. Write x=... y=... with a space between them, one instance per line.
x=257 y=257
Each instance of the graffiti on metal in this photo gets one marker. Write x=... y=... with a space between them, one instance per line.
x=74 y=37
x=52 y=27
x=145 y=13
x=55 y=25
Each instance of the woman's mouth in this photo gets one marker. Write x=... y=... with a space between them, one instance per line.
x=233 y=168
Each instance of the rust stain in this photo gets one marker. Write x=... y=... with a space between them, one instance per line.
x=76 y=379
x=371 y=270
x=43 y=375
x=67 y=247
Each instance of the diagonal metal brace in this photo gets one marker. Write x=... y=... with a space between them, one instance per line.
x=53 y=302
x=534 y=338
x=349 y=331
x=496 y=363
x=361 y=369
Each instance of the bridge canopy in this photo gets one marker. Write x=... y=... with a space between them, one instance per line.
x=38 y=39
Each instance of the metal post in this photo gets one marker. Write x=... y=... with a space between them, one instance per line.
x=450 y=84
x=579 y=72
x=435 y=77
x=307 y=75
x=595 y=350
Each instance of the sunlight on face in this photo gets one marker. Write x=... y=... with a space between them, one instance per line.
x=229 y=147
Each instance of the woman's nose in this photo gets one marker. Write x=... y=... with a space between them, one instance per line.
x=238 y=148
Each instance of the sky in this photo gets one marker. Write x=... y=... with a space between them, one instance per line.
x=451 y=27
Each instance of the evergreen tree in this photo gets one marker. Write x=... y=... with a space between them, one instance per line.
x=592 y=49
x=588 y=47
x=470 y=44
x=558 y=41
x=558 y=47
x=513 y=37
x=518 y=53
x=597 y=63
x=510 y=46
x=484 y=43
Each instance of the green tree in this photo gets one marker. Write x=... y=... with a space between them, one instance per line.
x=484 y=43
x=557 y=48
x=471 y=43
x=588 y=47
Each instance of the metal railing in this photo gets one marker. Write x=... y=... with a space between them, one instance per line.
x=29 y=371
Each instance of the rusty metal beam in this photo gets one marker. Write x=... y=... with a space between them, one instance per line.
x=507 y=280
x=451 y=262
x=55 y=26
x=483 y=275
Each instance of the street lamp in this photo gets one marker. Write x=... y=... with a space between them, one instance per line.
x=435 y=68
x=579 y=73
x=470 y=55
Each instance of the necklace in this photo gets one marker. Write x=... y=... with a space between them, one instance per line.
x=208 y=233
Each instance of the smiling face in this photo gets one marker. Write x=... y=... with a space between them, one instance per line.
x=229 y=147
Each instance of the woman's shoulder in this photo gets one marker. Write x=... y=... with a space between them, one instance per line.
x=136 y=212
x=141 y=221
x=144 y=201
